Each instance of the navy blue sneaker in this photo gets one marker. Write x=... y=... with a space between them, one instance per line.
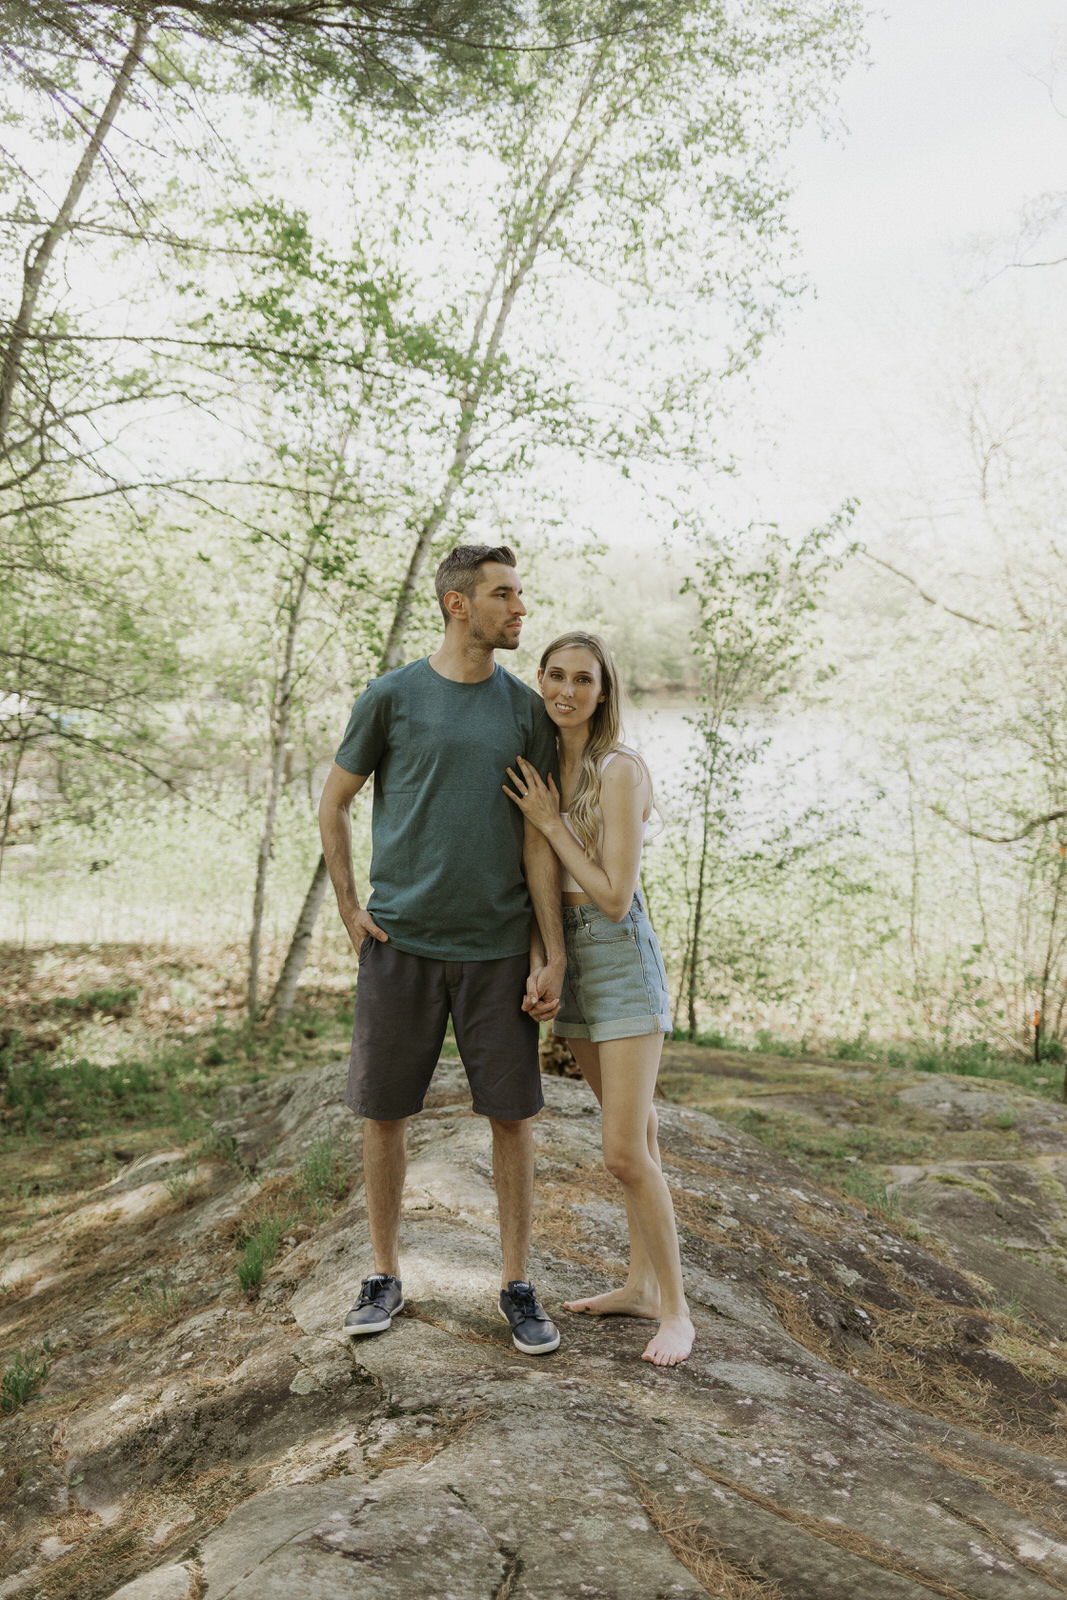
x=532 y=1330
x=380 y=1298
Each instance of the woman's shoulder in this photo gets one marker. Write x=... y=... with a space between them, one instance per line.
x=622 y=769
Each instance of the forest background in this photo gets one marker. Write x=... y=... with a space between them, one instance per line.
x=292 y=306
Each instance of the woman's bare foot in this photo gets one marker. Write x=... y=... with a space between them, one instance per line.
x=672 y=1343
x=624 y=1302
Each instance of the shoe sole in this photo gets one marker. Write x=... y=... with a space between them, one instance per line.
x=530 y=1349
x=372 y=1327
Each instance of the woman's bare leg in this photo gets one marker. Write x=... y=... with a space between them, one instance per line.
x=639 y=1295
x=627 y=1071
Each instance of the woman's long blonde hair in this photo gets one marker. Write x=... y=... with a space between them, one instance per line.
x=605 y=735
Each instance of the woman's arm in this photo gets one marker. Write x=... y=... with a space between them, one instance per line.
x=623 y=800
x=548 y=956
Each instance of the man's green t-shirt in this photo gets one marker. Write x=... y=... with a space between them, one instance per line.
x=446 y=865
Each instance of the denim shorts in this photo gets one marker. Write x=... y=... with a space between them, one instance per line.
x=616 y=985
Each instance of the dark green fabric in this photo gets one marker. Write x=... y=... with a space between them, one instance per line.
x=446 y=869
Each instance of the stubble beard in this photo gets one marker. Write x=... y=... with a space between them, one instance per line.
x=504 y=639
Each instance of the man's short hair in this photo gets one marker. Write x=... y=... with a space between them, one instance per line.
x=459 y=570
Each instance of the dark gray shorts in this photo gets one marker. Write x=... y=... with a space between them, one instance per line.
x=403 y=1003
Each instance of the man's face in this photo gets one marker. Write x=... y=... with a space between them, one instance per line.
x=496 y=608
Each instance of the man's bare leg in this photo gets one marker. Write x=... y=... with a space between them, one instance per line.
x=513 y=1174
x=384 y=1166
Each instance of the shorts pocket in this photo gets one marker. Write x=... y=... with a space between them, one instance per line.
x=603 y=931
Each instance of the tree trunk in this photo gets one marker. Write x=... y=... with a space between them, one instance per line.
x=698 y=905
x=9 y=805
x=1050 y=948
x=37 y=261
x=282 y=710
x=281 y=1001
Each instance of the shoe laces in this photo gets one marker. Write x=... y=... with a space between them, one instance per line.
x=525 y=1299
x=370 y=1288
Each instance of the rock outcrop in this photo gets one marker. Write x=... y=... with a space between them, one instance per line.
x=858 y=1420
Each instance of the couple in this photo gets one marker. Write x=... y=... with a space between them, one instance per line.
x=466 y=920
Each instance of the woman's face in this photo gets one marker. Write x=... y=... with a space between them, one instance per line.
x=572 y=687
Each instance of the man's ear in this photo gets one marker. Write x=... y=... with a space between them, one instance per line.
x=455 y=604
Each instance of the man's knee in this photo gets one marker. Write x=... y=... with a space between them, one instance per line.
x=512 y=1130
x=385 y=1134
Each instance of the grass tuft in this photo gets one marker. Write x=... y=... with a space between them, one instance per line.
x=259 y=1250
x=23 y=1377
x=323 y=1178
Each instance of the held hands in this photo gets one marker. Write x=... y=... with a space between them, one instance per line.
x=543 y=985
x=538 y=802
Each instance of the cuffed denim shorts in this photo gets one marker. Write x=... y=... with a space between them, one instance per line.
x=616 y=984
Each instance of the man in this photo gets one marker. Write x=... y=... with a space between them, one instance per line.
x=449 y=928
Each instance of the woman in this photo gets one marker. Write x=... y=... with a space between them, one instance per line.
x=614 y=1009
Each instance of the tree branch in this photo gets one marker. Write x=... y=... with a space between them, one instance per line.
x=37 y=264
x=999 y=838
x=964 y=616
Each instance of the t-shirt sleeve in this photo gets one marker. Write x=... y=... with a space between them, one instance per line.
x=542 y=751
x=365 y=741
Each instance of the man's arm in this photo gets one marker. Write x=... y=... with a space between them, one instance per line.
x=548 y=960
x=335 y=827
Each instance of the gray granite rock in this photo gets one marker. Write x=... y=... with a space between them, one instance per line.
x=853 y=1422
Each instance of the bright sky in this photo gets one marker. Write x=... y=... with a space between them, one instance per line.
x=951 y=129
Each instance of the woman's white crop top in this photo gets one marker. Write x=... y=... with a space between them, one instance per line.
x=568 y=885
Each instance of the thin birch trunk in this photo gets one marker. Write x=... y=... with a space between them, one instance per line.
x=281 y=1001
x=698 y=917
x=37 y=260
x=1050 y=947
x=9 y=804
x=698 y=906
x=283 y=709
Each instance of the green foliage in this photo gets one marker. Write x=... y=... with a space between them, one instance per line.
x=85 y=1095
x=820 y=1151
x=224 y=1146
x=259 y=1250
x=178 y=1184
x=119 y=1001
x=863 y=1185
x=388 y=53
x=323 y=1177
x=756 y=594
x=88 y=670
x=156 y=1296
x=24 y=1376
x=975 y=1059
x=219 y=525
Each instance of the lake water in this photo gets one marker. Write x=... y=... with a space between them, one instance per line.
x=810 y=753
